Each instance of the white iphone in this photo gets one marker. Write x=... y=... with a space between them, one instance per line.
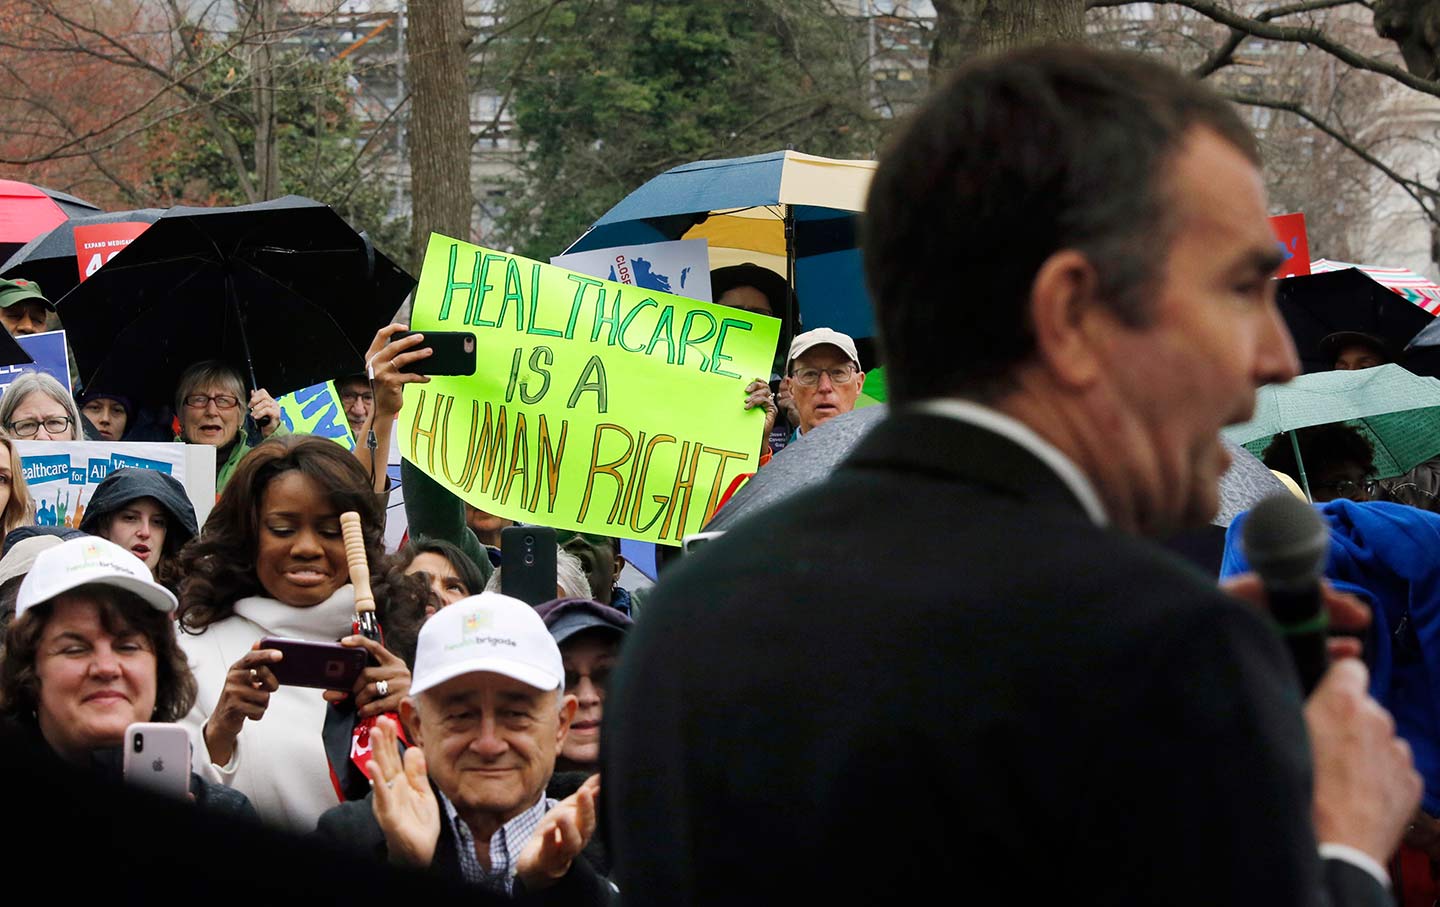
x=157 y=758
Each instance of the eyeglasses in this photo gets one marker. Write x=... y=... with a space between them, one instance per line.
x=27 y=428
x=348 y=397
x=222 y=401
x=810 y=377
x=1345 y=488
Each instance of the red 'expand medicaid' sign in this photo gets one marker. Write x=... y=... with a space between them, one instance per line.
x=1294 y=244
x=96 y=244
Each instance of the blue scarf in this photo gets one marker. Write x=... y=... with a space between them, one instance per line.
x=1389 y=556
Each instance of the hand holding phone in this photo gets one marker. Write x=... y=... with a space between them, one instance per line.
x=451 y=353
x=320 y=665
x=157 y=758
x=245 y=697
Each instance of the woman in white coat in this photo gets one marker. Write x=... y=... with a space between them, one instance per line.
x=270 y=562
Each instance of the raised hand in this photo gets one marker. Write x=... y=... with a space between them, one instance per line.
x=387 y=359
x=562 y=834
x=384 y=360
x=785 y=401
x=757 y=393
x=405 y=806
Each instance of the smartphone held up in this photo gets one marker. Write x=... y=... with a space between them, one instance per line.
x=451 y=353
x=157 y=758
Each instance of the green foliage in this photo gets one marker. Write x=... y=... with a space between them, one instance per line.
x=609 y=93
x=318 y=139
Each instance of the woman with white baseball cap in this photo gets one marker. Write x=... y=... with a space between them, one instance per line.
x=92 y=650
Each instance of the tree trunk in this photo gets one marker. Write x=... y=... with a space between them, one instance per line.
x=1414 y=26
x=439 y=137
x=262 y=81
x=964 y=28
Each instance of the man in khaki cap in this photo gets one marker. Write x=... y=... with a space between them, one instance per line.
x=823 y=375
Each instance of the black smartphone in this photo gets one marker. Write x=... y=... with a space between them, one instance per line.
x=527 y=563
x=453 y=353
x=321 y=665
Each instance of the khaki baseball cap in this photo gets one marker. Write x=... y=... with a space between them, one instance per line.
x=820 y=337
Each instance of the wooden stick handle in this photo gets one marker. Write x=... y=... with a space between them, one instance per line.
x=355 y=556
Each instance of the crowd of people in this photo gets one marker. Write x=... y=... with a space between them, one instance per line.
x=133 y=612
x=973 y=595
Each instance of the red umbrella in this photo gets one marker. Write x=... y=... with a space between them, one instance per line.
x=27 y=211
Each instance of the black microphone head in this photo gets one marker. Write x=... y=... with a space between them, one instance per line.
x=1286 y=541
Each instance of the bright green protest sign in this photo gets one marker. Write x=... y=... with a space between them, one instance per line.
x=594 y=406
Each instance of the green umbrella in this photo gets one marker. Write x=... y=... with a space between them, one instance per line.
x=1397 y=411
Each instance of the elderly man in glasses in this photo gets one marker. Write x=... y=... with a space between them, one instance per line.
x=823 y=376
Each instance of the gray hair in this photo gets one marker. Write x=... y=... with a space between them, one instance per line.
x=569 y=576
x=27 y=384
x=208 y=373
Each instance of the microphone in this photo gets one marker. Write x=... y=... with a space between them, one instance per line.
x=1286 y=543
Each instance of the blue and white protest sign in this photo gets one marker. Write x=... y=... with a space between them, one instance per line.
x=681 y=267
x=62 y=475
x=48 y=351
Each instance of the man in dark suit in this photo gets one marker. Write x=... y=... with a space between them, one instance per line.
x=958 y=666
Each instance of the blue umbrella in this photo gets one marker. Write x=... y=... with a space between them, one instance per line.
x=790 y=212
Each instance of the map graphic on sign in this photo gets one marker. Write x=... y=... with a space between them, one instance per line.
x=650 y=279
x=681 y=266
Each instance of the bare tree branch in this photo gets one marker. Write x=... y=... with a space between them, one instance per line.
x=1314 y=37
x=1423 y=195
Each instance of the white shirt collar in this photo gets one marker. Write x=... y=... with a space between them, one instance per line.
x=1017 y=431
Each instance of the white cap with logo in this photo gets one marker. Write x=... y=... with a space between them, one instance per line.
x=82 y=561
x=487 y=632
x=820 y=337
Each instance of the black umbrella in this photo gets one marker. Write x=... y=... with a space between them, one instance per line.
x=284 y=291
x=49 y=259
x=1317 y=305
x=73 y=206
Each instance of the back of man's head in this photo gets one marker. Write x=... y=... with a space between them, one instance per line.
x=1017 y=157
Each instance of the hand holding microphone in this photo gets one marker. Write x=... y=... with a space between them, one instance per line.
x=1365 y=784
x=1287 y=543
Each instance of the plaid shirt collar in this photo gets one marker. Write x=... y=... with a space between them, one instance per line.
x=505 y=845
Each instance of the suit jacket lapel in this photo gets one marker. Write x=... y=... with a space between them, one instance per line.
x=947 y=448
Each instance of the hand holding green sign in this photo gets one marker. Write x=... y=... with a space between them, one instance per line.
x=595 y=405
